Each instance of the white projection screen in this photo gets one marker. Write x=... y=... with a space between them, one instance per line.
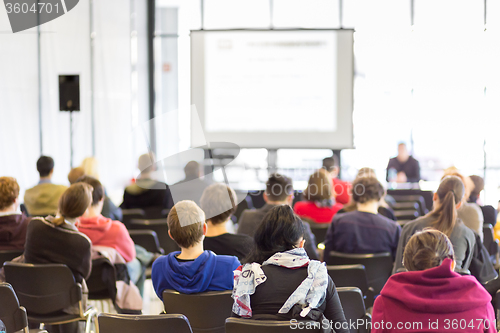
x=273 y=88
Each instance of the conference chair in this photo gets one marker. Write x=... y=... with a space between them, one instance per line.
x=378 y=266
x=352 y=276
x=416 y=198
x=161 y=228
x=242 y=325
x=45 y=290
x=119 y=323
x=406 y=214
x=148 y=239
x=318 y=229
x=354 y=308
x=411 y=205
x=12 y=314
x=206 y=311
x=490 y=243
x=8 y=255
x=129 y=214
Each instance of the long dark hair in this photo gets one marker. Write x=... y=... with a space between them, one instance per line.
x=450 y=193
x=279 y=231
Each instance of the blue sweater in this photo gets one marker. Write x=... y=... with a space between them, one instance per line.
x=208 y=272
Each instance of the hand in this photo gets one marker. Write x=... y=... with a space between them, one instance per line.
x=401 y=177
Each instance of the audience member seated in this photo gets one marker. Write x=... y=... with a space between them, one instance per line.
x=90 y=168
x=489 y=213
x=42 y=200
x=147 y=193
x=279 y=281
x=219 y=203
x=103 y=231
x=192 y=186
x=279 y=191
x=404 y=166
x=56 y=240
x=13 y=223
x=383 y=208
x=431 y=293
x=340 y=188
x=320 y=205
x=191 y=270
x=443 y=217
x=470 y=213
x=363 y=230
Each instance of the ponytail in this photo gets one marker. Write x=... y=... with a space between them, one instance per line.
x=446 y=215
x=74 y=202
x=58 y=221
x=450 y=192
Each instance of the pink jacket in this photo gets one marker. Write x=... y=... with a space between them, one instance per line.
x=434 y=300
x=106 y=232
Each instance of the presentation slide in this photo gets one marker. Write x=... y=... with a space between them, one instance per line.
x=274 y=88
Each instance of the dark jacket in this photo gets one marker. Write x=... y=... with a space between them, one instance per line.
x=50 y=244
x=250 y=220
x=281 y=282
x=411 y=168
x=229 y=245
x=188 y=189
x=13 y=228
x=361 y=232
x=147 y=193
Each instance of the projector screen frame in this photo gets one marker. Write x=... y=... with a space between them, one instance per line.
x=308 y=140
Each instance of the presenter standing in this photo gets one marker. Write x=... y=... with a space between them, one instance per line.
x=403 y=168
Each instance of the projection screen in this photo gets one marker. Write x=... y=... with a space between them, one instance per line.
x=273 y=88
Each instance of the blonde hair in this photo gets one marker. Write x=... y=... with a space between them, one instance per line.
x=90 y=167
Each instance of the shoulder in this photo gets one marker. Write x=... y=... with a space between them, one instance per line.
x=227 y=261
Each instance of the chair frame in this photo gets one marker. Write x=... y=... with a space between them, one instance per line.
x=134 y=318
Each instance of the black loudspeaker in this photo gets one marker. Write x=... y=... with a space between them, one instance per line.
x=69 y=93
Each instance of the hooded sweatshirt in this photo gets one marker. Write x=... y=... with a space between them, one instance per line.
x=434 y=300
x=13 y=227
x=106 y=232
x=208 y=272
x=43 y=199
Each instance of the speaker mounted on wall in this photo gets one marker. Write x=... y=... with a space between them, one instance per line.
x=69 y=93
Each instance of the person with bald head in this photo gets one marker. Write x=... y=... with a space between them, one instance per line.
x=147 y=193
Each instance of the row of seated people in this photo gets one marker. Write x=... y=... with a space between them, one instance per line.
x=446 y=215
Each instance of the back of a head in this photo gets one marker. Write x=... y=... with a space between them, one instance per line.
x=427 y=249
x=185 y=223
x=218 y=201
x=192 y=169
x=450 y=192
x=74 y=174
x=478 y=186
x=9 y=191
x=74 y=202
x=45 y=165
x=146 y=162
x=367 y=189
x=319 y=187
x=279 y=231
x=278 y=187
x=366 y=173
x=98 y=189
x=90 y=167
x=330 y=163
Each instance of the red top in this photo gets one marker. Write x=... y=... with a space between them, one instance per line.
x=106 y=232
x=309 y=210
x=436 y=297
x=342 y=191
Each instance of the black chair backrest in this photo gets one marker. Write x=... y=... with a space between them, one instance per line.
x=319 y=230
x=120 y=323
x=129 y=214
x=489 y=241
x=406 y=214
x=241 y=325
x=8 y=255
x=43 y=289
x=352 y=303
x=378 y=266
x=410 y=205
x=102 y=281
x=349 y=276
x=13 y=316
x=207 y=311
x=148 y=239
x=161 y=228
x=423 y=209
